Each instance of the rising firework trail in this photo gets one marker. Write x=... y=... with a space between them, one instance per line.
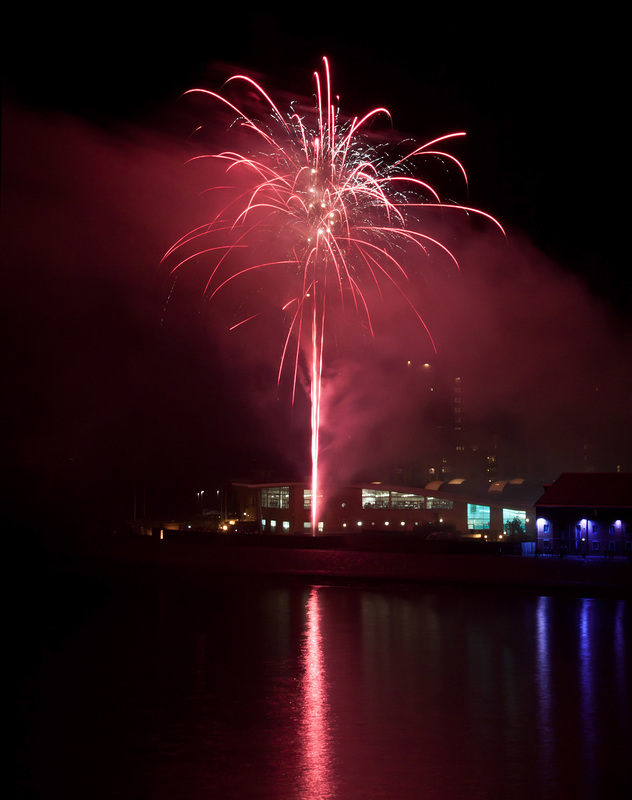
x=317 y=201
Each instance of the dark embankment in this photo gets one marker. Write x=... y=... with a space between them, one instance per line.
x=348 y=558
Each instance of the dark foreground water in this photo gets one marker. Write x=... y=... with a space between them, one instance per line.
x=161 y=689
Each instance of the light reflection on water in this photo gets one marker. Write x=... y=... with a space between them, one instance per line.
x=315 y=733
x=622 y=657
x=586 y=678
x=297 y=692
x=545 y=731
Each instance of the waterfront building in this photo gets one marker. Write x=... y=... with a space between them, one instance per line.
x=451 y=509
x=586 y=514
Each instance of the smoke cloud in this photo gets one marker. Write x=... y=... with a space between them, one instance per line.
x=117 y=367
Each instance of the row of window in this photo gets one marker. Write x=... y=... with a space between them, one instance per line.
x=581 y=528
x=271 y=525
x=279 y=497
x=383 y=498
x=478 y=518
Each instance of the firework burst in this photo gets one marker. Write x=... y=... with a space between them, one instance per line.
x=338 y=211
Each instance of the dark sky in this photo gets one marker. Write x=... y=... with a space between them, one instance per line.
x=104 y=395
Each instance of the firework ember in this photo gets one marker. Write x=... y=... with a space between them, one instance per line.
x=339 y=211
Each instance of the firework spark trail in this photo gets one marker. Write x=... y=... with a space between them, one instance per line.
x=333 y=202
x=318 y=325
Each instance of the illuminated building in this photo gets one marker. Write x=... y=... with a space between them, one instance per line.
x=587 y=514
x=449 y=509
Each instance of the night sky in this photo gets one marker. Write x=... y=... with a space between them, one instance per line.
x=113 y=381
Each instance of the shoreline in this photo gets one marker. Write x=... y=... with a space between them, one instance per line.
x=335 y=564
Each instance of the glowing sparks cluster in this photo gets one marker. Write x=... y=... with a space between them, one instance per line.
x=320 y=209
x=326 y=194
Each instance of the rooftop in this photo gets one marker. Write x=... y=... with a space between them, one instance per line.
x=583 y=489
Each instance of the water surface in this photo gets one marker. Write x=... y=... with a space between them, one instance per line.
x=281 y=690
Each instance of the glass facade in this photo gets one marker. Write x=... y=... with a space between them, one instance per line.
x=435 y=502
x=477 y=517
x=307 y=498
x=509 y=516
x=375 y=498
x=275 y=497
x=407 y=500
x=383 y=498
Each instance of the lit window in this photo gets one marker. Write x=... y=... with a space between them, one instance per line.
x=307 y=498
x=514 y=521
x=275 y=497
x=477 y=517
x=407 y=500
x=435 y=502
x=375 y=498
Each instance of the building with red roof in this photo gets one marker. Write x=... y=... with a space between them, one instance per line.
x=586 y=514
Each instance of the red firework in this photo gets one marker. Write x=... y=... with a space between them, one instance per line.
x=340 y=208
